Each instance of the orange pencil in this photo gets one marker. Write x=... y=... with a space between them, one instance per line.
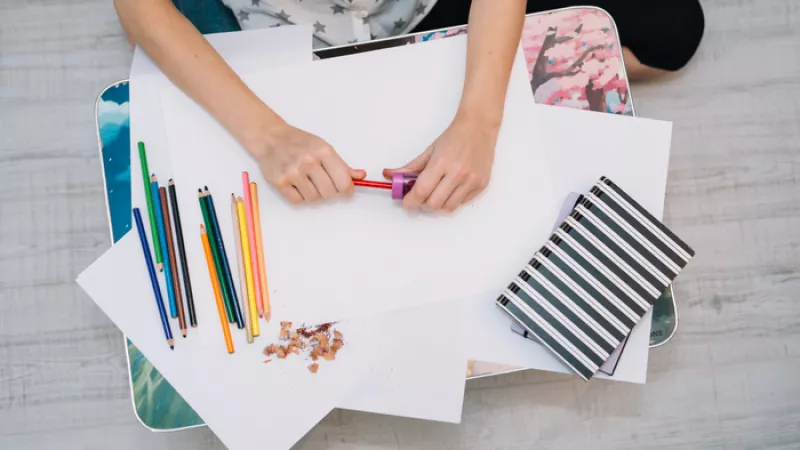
x=212 y=273
x=262 y=269
x=251 y=235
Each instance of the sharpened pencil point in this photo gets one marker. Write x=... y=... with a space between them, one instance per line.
x=160 y=267
x=268 y=316
x=183 y=332
x=172 y=347
x=171 y=343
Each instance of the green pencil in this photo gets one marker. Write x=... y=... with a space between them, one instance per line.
x=150 y=211
x=215 y=252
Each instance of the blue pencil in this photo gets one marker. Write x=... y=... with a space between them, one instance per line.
x=162 y=236
x=153 y=278
x=226 y=267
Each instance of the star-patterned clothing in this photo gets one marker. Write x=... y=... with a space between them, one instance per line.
x=335 y=22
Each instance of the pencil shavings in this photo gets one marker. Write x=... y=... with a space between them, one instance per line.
x=322 y=342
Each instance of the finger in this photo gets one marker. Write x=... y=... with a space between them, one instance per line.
x=322 y=181
x=471 y=196
x=424 y=186
x=458 y=197
x=358 y=174
x=338 y=172
x=306 y=188
x=416 y=165
x=443 y=191
x=291 y=194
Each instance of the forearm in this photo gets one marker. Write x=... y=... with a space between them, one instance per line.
x=190 y=62
x=495 y=27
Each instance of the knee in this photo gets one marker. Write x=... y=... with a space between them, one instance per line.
x=666 y=37
x=687 y=37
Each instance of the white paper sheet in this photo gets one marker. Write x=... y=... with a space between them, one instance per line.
x=417 y=369
x=244 y=51
x=246 y=403
x=368 y=255
x=581 y=146
x=408 y=384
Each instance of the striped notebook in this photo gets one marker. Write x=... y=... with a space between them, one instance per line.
x=594 y=279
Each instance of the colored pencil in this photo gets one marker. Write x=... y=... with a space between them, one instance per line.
x=187 y=282
x=262 y=269
x=226 y=266
x=162 y=235
x=201 y=196
x=212 y=273
x=251 y=236
x=248 y=271
x=148 y=195
x=237 y=238
x=153 y=277
x=173 y=263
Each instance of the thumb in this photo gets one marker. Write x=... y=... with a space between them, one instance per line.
x=416 y=165
x=358 y=174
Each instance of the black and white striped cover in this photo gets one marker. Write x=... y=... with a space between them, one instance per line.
x=582 y=293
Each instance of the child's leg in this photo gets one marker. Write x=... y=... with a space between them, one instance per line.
x=659 y=36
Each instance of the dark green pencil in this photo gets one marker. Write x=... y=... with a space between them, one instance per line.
x=226 y=266
x=217 y=262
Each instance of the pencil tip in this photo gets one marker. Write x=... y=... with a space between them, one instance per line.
x=160 y=267
x=172 y=347
x=183 y=332
x=206 y=187
x=171 y=181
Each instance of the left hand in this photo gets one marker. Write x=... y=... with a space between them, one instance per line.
x=455 y=168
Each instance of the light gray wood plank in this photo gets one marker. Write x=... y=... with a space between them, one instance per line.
x=728 y=380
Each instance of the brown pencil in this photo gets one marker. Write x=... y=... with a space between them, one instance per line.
x=173 y=263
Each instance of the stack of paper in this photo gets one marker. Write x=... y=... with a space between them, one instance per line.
x=411 y=320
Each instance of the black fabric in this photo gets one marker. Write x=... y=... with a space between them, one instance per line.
x=661 y=33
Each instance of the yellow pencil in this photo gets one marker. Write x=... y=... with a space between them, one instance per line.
x=248 y=271
x=262 y=269
x=242 y=277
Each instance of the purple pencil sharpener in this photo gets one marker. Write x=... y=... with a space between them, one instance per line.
x=402 y=184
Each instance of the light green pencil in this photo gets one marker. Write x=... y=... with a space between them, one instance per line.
x=150 y=212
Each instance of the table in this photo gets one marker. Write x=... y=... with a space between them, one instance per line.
x=574 y=60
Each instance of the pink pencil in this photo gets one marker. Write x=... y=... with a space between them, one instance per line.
x=251 y=232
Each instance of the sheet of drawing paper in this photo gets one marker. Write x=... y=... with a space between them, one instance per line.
x=246 y=403
x=581 y=147
x=417 y=369
x=244 y=51
x=405 y=372
x=368 y=255
x=402 y=386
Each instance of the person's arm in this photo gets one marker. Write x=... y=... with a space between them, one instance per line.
x=458 y=165
x=302 y=166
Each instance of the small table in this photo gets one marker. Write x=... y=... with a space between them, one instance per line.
x=574 y=60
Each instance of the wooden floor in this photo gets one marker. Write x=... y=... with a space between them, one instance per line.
x=728 y=380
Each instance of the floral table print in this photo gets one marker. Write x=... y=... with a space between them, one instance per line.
x=574 y=61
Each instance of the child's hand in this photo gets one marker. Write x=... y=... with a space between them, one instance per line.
x=303 y=167
x=454 y=169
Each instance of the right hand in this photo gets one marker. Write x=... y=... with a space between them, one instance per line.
x=303 y=167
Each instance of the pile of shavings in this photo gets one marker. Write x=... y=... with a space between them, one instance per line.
x=314 y=342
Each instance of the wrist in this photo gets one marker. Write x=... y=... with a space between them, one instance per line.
x=262 y=133
x=487 y=119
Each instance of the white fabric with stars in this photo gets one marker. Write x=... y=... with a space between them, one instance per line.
x=336 y=22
